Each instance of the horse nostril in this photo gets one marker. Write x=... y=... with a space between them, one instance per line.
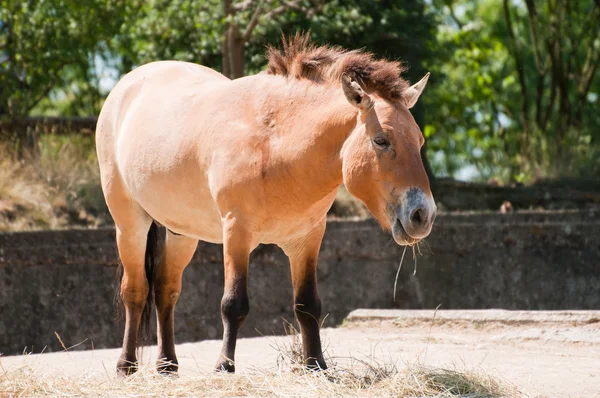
x=418 y=216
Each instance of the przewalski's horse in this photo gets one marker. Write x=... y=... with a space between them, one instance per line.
x=254 y=160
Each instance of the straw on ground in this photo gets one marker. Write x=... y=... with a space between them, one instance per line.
x=346 y=377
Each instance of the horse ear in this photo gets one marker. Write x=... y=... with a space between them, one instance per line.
x=355 y=95
x=412 y=94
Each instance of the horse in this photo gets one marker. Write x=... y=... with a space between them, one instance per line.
x=253 y=160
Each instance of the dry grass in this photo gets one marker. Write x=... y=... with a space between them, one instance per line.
x=56 y=186
x=355 y=377
x=360 y=379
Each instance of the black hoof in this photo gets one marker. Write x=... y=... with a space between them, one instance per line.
x=316 y=364
x=225 y=365
x=167 y=368
x=126 y=367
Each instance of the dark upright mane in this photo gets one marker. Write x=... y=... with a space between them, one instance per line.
x=300 y=59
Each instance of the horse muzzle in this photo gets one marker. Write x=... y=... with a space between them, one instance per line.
x=414 y=217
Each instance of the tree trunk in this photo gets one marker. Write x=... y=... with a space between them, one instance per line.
x=226 y=70
x=236 y=52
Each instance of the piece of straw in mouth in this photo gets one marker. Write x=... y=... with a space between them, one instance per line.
x=415 y=257
x=398 y=272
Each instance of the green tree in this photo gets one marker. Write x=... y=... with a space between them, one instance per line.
x=518 y=89
x=555 y=48
x=44 y=44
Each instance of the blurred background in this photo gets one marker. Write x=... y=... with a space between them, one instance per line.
x=510 y=114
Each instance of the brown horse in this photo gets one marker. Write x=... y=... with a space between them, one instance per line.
x=254 y=160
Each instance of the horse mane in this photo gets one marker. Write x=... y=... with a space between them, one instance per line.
x=299 y=58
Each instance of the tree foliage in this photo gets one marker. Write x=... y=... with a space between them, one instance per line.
x=518 y=95
x=49 y=44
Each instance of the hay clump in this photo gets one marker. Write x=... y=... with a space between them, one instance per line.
x=359 y=380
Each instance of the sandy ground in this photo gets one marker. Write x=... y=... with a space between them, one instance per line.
x=544 y=354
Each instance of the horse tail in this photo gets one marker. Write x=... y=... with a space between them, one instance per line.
x=150 y=262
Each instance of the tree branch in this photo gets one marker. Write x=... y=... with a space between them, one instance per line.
x=584 y=87
x=276 y=11
x=453 y=15
x=587 y=64
x=253 y=21
x=46 y=91
x=553 y=84
x=539 y=64
x=587 y=74
x=519 y=65
x=293 y=5
x=243 y=6
x=533 y=24
x=225 y=48
x=563 y=82
x=317 y=6
x=538 y=99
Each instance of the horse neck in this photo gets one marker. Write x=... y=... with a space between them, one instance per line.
x=320 y=119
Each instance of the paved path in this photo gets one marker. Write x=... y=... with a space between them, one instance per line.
x=553 y=354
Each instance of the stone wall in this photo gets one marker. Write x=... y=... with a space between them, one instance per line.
x=62 y=281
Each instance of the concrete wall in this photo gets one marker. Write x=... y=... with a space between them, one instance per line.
x=63 y=281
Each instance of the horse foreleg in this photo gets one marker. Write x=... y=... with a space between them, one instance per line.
x=303 y=256
x=167 y=287
x=234 y=304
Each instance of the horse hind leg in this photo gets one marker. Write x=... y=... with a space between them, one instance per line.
x=133 y=245
x=177 y=254
x=136 y=241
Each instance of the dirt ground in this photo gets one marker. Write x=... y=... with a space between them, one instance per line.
x=551 y=354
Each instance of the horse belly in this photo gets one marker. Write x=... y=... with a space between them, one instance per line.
x=186 y=210
x=282 y=227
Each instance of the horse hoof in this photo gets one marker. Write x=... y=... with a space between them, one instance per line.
x=316 y=364
x=167 y=368
x=126 y=368
x=226 y=366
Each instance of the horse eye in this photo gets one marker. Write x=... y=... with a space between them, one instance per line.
x=381 y=142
